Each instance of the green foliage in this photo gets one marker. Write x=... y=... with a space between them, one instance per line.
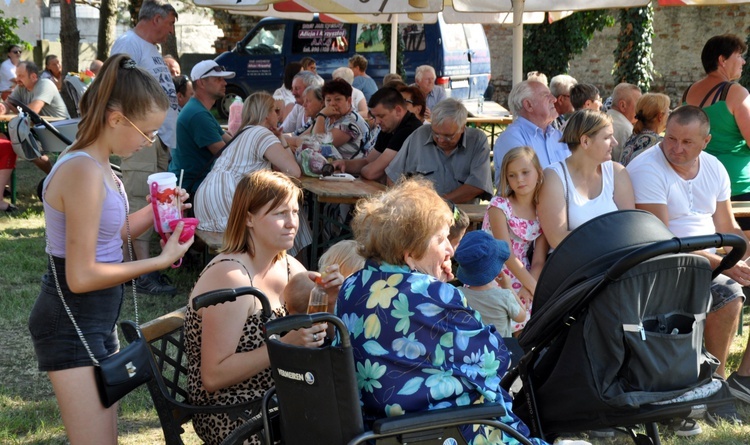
x=745 y=79
x=8 y=36
x=386 y=29
x=548 y=47
x=633 y=62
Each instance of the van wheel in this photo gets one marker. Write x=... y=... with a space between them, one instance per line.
x=222 y=106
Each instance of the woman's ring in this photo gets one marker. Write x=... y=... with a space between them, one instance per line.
x=315 y=336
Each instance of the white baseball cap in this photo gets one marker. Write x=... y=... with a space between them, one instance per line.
x=209 y=68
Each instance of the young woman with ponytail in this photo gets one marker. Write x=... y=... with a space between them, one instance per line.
x=87 y=222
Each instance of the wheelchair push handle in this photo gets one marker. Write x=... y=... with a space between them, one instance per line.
x=291 y=322
x=225 y=295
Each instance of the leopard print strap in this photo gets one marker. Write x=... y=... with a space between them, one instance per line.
x=236 y=261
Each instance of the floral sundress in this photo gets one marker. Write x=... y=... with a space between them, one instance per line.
x=522 y=233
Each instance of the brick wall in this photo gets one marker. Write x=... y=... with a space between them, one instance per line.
x=679 y=36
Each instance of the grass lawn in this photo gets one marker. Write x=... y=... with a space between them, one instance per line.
x=28 y=411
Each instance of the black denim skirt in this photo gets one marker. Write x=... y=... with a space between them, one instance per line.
x=55 y=340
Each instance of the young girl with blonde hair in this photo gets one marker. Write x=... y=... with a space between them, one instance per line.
x=511 y=217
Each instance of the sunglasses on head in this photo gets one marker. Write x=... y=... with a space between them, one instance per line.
x=217 y=68
x=180 y=82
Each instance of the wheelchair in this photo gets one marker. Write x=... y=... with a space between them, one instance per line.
x=323 y=378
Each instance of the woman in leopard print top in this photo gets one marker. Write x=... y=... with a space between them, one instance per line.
x=227 y=358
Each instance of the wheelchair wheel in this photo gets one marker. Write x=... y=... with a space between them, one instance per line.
x=245 y=431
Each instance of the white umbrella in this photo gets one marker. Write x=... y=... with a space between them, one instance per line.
x=515 y=12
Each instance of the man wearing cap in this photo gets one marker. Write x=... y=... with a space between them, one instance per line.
x=199 y=136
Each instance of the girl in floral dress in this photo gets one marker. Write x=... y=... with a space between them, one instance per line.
x=511 y=216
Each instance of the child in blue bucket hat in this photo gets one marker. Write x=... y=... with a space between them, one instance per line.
x=481 y=258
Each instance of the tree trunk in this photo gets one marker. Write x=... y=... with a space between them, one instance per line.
x=107 y=22
x=69 y=35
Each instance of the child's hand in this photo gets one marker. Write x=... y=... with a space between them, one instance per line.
x=331 y=280
x=526 y=295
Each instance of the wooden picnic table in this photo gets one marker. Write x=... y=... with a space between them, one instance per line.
x=321 y=192
x=475 y=212
x=8 y=117
x=494 y=125
x=741 y=209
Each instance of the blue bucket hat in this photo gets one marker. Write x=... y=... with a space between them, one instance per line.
x=480 y=258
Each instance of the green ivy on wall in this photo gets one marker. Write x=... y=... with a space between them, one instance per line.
x=548 y=47
x=745 y=79
x=386 y=30
x=633 y=62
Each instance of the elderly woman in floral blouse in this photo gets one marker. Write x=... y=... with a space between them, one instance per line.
x=417 y=344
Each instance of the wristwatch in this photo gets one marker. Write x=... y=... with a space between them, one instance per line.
x=321 y=114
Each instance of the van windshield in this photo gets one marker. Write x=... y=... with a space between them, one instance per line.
x=269 y=39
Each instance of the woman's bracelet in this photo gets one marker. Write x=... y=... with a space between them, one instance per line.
x=321 y=114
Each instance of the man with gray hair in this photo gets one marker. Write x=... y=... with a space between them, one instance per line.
x=296 y=118
x=624 y=98
x=424 y=79
x=560 y=87
x=156 y=21
x=455 y=158
x=533 y=107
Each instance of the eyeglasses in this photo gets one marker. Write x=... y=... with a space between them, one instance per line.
x=445 y=137
x=151 y=139
x=409 y=101
x=217 y=68
x=17 y=51
x=454 y=210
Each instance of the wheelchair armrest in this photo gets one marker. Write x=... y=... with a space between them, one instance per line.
x=438 y=417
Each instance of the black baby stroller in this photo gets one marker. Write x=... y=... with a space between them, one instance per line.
x=617 y=332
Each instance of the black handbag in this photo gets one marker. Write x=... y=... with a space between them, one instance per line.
x=129 y=368
x=121 y=373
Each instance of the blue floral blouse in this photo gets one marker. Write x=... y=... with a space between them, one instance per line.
x=419 y=346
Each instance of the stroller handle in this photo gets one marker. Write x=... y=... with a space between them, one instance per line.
x=37 y=120
x=225 y=295
x=683 y=245
x=292 y=322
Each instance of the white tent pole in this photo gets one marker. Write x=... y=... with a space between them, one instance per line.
x=394 y=41
x=518 y=7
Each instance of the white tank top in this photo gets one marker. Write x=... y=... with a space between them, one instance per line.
x=581 y=208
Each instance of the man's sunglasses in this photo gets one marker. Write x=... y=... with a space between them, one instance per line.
x=217 y=68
